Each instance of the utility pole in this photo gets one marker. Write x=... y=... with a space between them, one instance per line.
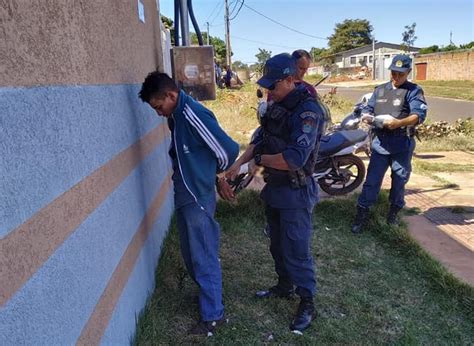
x=207 y=23
x=227 y=33
x=184 y=23
x=373 y=58
x=451 y=38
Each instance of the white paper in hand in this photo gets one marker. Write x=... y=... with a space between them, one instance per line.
x=383 y=117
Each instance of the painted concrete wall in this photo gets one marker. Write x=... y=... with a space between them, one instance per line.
x=85 y=189
x=457 y=65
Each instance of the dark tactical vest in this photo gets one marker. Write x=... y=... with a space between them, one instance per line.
x=393 y=102
x=276 y=136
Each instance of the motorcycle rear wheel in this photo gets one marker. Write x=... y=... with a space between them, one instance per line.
x=347 y=174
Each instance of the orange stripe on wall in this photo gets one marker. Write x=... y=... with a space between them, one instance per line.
x=28 y=246
x=99 y=319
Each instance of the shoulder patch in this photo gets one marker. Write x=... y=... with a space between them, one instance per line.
x=308 y=125
x=308 y=114
x=303 y=140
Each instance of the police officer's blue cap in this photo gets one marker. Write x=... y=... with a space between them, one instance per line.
x=277 y=68
x=400 y=63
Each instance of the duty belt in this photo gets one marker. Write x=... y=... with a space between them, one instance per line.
x=400 y=132
x=294 y=179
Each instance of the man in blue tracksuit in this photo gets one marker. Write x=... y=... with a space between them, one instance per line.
x=286 y=147
x=393 y=143
x=199 y=149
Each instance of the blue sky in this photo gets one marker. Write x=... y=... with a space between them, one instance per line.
x=434 y=21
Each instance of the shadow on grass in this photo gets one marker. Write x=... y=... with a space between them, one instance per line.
x=378 y=287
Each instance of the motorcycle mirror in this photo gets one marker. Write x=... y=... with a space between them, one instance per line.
x=259 y=93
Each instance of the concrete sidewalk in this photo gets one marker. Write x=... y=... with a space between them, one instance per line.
x=445 y=225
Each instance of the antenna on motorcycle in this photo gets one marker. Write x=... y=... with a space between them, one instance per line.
x=321 y=80
x=259 y=93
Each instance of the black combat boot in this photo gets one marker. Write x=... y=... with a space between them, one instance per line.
x=360 y=219
x=276 y=292
x=392 y=215
x=304 y=315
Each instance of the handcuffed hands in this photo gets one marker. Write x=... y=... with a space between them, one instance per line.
x=224 y=189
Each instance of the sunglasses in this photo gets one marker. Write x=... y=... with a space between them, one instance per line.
x=272 y=87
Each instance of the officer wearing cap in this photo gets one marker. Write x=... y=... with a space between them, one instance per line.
x=286 y=147
x=398 y=106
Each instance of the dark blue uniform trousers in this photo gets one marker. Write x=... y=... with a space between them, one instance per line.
x=199 y=241
x=290 y=241
x=400 y=164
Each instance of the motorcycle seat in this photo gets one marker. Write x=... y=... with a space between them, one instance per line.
x=336 y=141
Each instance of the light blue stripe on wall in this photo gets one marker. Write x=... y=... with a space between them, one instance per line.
x=139 y=287
x=54 y=305
x=52 y=137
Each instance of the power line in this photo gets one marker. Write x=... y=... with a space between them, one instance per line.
x=235 y=3
x=215 y=7
x=283 y=25
x=217 y=14
x=238 y=11
x=264 y=43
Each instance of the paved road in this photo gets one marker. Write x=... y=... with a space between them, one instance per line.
x=439 y=108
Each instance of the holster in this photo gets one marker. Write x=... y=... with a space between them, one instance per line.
x=294 y=179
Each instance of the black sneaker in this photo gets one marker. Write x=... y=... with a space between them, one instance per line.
x=275 y=292
x=304 y=316
x=207 y=328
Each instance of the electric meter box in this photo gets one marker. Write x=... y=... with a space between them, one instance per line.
x=193 y=71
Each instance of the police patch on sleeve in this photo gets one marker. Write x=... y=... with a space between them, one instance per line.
x=305 y=115
x=308 y=125
x=303 y=140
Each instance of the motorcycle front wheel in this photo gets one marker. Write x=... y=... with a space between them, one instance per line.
x=346 y=175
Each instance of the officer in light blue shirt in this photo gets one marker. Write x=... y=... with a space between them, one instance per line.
x=395 y=108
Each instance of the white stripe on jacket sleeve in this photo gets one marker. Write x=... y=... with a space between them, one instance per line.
x=207 y=136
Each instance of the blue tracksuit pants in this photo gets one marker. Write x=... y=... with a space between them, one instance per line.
x=199 y=241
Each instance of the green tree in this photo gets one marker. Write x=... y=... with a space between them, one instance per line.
x=239 y=65
x=427 y=50
x=262 y=56
x=349 y=34
x=467 y=45
x=168 y=23
x=449 y=48
x=216 y=42
x=408 y=37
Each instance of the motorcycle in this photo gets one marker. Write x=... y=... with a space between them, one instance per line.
x=338 y=170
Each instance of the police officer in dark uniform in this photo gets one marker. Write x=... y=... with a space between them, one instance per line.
x=286 y=147
x=398 y=106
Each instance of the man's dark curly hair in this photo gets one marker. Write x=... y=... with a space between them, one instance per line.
x=156 y=84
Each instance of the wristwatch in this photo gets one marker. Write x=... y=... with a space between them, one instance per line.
x=257 y=159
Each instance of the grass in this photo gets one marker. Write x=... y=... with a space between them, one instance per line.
x=463 y=89
x=448 y=143
x=379 y=287
x=455 y=89
x=431 y=168
x=234 y=110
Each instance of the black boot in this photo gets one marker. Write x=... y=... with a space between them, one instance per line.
x=275 y=292
x=392 y=215
x=360 y=219
x=304 y=315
